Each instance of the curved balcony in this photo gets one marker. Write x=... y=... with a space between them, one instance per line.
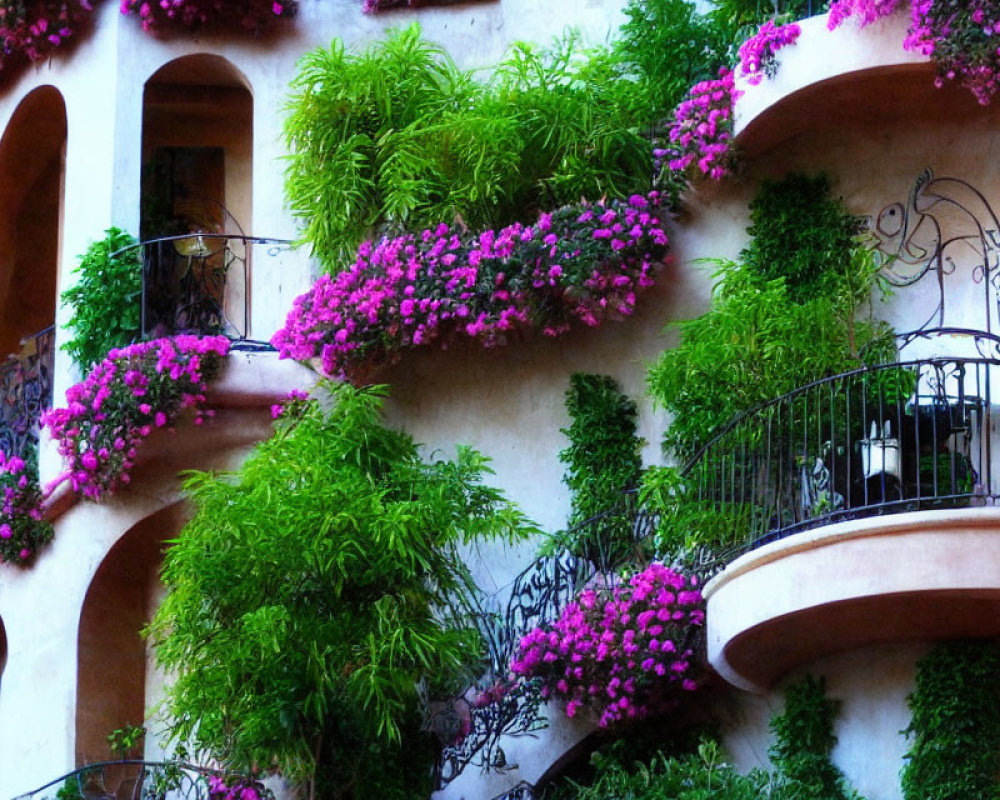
x=868 y=506
x=201 y=283
x=828 y=78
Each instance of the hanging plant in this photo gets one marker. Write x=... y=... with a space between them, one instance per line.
x=127 y=396
x=249 y=16
x=583 y=262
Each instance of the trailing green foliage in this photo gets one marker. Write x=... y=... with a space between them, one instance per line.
x=955 y=754
x=398 y=137
x=316 y=595
x=603 y=462
x=804 y=739
x=800 y=233
x=767 y=333
x=105 y=299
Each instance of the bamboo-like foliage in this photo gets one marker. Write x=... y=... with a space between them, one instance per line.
x=397 y=137
x=316 y=594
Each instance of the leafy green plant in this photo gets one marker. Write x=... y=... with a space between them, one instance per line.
x=800 y=233
x=955 y=729
x=105 y=299
x=666 y=46
x=603 y=462
x=398 y=137
x=804 y=739
x=316 y=596
x=123 y=741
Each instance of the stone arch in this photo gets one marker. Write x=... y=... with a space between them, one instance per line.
x=117 y=682
x=197 y=143
x=32 y=168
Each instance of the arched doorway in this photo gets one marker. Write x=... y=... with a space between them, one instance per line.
x=117 y=682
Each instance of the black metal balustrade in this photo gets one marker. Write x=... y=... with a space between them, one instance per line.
x=129 y=780
x=199 y=283
x=881 y=440
x=25 y=392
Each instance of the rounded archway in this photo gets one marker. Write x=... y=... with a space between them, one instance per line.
x=32 y=157
x=117 y=681
x=197 y=147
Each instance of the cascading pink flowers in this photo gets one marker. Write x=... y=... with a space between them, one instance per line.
x=22 y=529
x=701 y=135
x=623 y=650
x=584 y=262
x=249 y=15
x=962 y=38
x=30 y=30
x=127 y=396
x=757 y=53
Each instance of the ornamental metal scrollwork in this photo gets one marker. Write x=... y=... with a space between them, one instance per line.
x=945 y=225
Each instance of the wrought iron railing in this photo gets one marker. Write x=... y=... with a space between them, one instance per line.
x=25 y=392
x=879 y=440
x=472 y=732
x=129 y=780
x=200 y=283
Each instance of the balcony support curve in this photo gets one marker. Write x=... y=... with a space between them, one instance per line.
x=921 y=575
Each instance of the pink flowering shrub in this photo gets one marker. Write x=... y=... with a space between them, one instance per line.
x=962 y=38
x=22 y=529
x=620 y=650
x=757 y=53
x=128 y=395
x=32 y=29
x=251 y=16
x=701 y=134
x=583 y=262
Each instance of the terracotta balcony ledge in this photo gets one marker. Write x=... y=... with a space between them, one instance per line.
x=915 y=576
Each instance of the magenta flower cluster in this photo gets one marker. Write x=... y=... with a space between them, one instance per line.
x=31 y=29
x=22 y=528
x=962 y=38
x=757 y=53
x=251 y=16
x=134 y=391
x=620 y=650
x=701 y=134
x=220 y=788
x=583 y=262
x=864 y=12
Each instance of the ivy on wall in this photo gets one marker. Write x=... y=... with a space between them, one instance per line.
x=955 y=754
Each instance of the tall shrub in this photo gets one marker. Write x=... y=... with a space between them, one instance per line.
x=314 y=598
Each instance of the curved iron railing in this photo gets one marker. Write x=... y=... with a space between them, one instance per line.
x=131 y=780
x=200 y=283
x=879 y=440
x=25 y=392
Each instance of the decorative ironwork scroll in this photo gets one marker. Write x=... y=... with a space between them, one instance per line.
x=199 y=283
x=25 y=392
x=945 y=225
x=472 y=726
